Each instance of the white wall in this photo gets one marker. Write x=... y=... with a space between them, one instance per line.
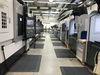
x=51 y=22
x=6 y=38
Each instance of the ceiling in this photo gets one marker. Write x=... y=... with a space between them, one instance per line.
x=44 y=9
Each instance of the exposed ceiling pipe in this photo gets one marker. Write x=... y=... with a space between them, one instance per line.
x=61 y=10
x=66 y=14
x=59 y=6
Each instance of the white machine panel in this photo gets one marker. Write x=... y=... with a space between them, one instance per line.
x=4 y=20
x=95 y=28
x=71 y=28
x=83 y=24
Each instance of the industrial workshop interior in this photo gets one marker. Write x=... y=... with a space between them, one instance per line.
x=49 y=37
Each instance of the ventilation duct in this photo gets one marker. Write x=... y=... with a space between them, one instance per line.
x=79 y=11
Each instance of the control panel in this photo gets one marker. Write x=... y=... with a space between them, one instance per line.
x=4 y=19
x=30 y=30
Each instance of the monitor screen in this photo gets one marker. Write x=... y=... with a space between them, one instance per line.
x=30 y=22
x=97 y=24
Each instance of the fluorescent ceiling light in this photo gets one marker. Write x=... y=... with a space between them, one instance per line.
x=54 y=12
x=54 y=8
x=42 y=2
x=43 y=7
x=60 y=3
x=44 y=11
x=54 y=2
x=60 y=8
x=32 y=7
x=50 y=0
x=28 y=1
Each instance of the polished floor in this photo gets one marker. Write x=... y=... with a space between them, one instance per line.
x=50 y=64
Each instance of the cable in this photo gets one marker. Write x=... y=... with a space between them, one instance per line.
x=2 y=47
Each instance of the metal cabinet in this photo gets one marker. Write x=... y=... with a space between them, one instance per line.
x=80 y=49
x=63 y=37
x=58 y=34
x=73 y=43
x=91 y=51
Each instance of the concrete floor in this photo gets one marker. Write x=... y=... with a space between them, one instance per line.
x=50 y=64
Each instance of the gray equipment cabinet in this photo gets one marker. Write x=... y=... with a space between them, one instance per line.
x=82 y=25
x=80 y=49
x=72 y=37
x=93 y=38
x=18 y=21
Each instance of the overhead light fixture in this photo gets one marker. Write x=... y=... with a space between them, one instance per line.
x=54 y=8
x=50 y=0
x=42 y=2
x=44 y=11
x=44 y=8
x=59 y=8
x=59 y=3
x=54 y=12
x=28 y=1
x=55 y=2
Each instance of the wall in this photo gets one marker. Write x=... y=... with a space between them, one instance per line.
x=51 y=22
x=6 y=38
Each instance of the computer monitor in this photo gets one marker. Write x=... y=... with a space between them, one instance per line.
x=97 y=25
x=30 y=22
